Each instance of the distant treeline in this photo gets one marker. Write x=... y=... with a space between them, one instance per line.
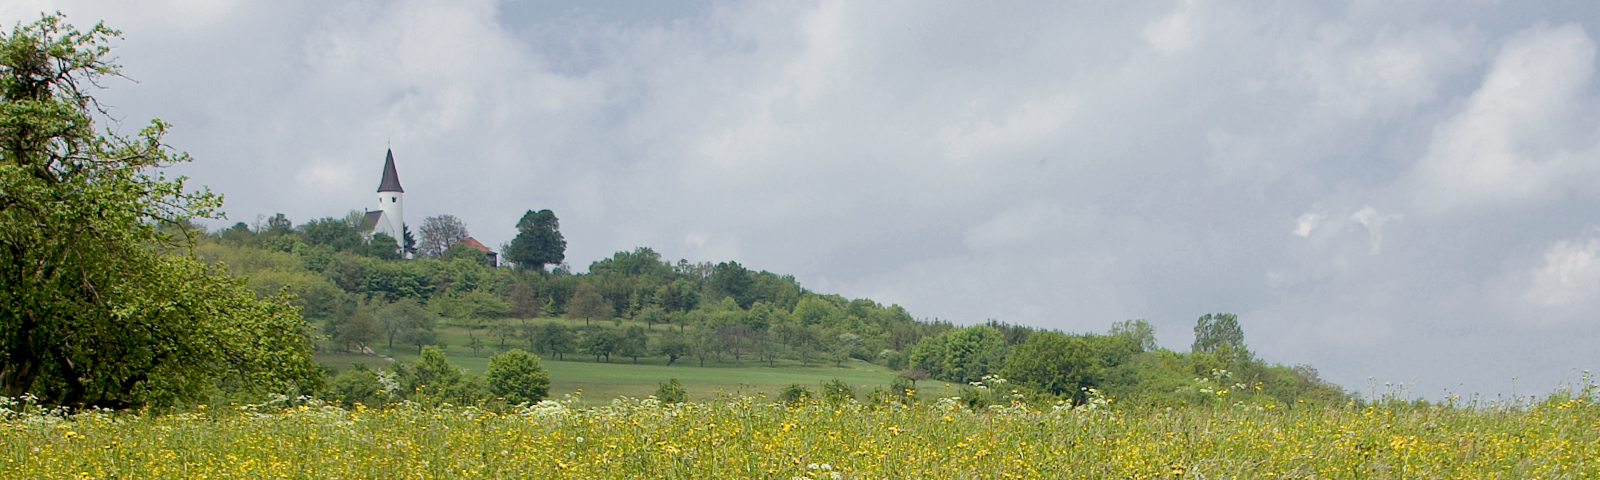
x=363 y=292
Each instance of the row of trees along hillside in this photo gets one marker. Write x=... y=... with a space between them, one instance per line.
x=363 y=295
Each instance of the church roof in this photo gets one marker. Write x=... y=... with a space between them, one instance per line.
x=391 y=179
x=370 y=222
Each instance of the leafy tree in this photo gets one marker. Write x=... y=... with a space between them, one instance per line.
x=600 y=341
x=1139 y=332
x=678 y=296
x=729 y=279
x=92 y=313
x=517 y=376
x=433 y=378
x=736 y=339
x=1214 y=331
x=538 y=242
x=381 y=246
x=522 y=301
x=587 y=304
x=553 y=339
x=673 y=346
x=474 y=343
x=439 y=233
x=961 y=355
x=421 y=338
x=1055 y=362
x=407 y=319
x=634 y=343
x=357 y=330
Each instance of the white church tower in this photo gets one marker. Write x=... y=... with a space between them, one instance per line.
x=391 y=204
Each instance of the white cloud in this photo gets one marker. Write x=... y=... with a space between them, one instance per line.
x=1306 y=223
x=1373 y=221
x=1507 y=144
x=1570 y=275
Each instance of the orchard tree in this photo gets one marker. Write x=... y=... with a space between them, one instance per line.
x=95 y=309
x=538 y=242
x=587 y=304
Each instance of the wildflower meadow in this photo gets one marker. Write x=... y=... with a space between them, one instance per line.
x=752 y=437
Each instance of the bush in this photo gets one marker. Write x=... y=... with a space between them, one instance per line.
x=794 y=393
x=837 y=392
x=359 y=384
x=516 y=376
x=671 y=391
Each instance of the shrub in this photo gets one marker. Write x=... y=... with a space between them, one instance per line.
x=794 y=393
x=517 y=376
x=837 y=392
x=671 y=391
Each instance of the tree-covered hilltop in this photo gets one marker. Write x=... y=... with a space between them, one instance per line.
x=363 y=294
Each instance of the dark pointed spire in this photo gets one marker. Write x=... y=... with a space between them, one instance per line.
x=391 y=179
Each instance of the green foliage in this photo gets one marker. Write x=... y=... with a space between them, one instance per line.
x=600 y=342
x=516 y=376
x=538 y=242
x=673 y=345
x=356 y=385
x=961 y=355
x=92 y=311
x=587 y=304
x=836 y=392
x=462 y=251
x=634 y=343
x=554 y=339
x=469 y=304
x=671 y=391
x=409 y=321
x=1056 y=362
x=1212 y=332
x=795 y=394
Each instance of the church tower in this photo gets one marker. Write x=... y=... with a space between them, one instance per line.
x=391 y=201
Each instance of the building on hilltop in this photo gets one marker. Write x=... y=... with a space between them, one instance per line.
x=494 y=258
x=389 y=218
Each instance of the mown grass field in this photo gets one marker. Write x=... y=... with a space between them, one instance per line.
x=750 y=438
x=600 y=382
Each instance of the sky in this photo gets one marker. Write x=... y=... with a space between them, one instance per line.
x=1395 y=191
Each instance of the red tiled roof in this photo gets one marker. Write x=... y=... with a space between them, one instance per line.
x=472 y=242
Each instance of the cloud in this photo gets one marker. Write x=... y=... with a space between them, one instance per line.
x=1306 y=223
x=1570 y=275
x=1512 y=141
x=1373 y=221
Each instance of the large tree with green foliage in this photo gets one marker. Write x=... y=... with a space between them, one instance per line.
x=538 y=242
x=94 y=311
x=1055 y=362
x=1213 y=332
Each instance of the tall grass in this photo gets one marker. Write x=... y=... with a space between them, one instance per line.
x=750 y=437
